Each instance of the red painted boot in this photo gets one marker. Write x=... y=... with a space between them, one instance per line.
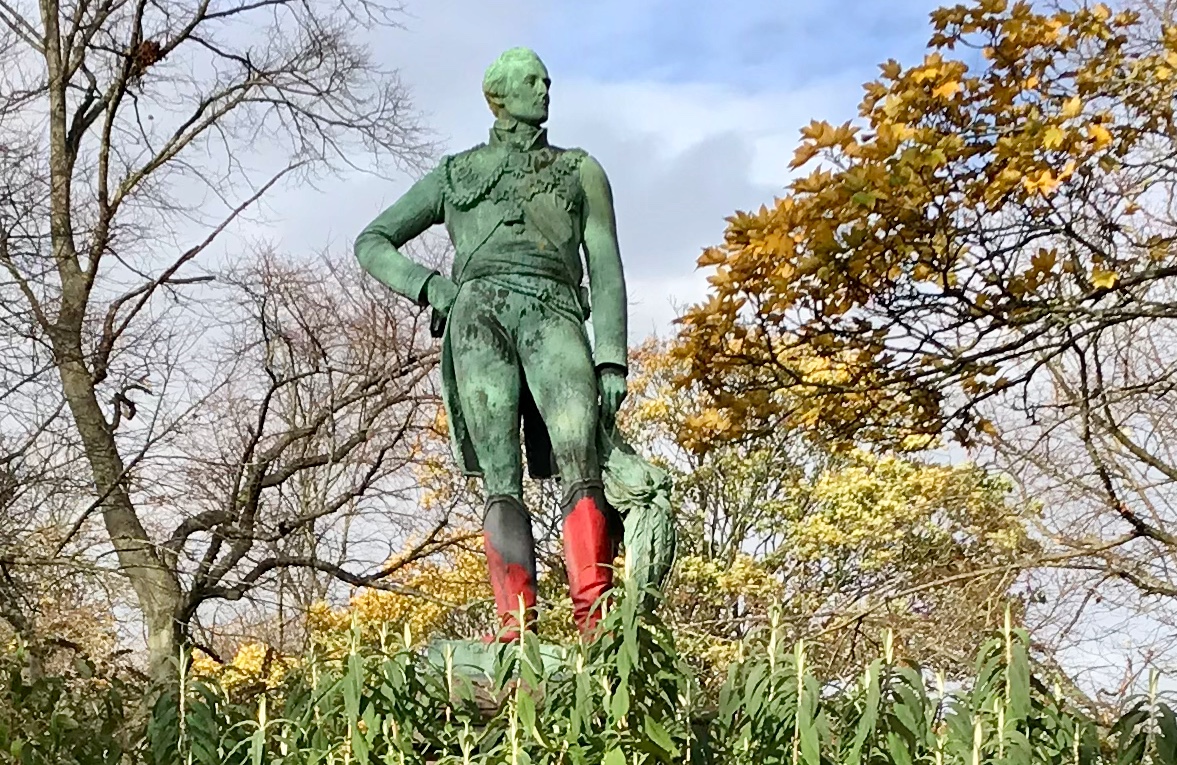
x=589 y=550
x=510 y=558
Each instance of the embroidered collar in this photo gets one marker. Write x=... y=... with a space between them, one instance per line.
x=518 y=135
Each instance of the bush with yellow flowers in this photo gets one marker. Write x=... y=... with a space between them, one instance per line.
x=840 y=539
x=445 y=594
x=254 y=667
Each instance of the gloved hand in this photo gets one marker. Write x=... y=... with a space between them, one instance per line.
x=613 y=392
x=440 y=292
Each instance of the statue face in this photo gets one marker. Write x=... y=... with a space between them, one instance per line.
x=526 y=98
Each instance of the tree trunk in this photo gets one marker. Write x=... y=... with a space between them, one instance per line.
x=156 y=586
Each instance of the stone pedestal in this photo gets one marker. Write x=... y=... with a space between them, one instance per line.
x=477 y=660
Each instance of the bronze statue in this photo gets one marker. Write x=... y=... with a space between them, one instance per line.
x=512 y=316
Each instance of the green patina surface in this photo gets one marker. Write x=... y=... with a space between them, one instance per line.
x=519 y=212
x=535 y=255
x=479 y=660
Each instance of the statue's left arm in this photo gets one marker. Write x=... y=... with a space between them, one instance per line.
x=378 y=247
x=606 y=278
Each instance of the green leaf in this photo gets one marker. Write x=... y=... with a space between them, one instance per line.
x=897 y=747
x=870 y=713
x=807 y=724
x=614 y=757
x=657 y=734
x=620 y=702
x=1166 y=741
x=257 y=747
x=1133 y=753
x=864 y=198
x=525 y=708
x=1018 y=678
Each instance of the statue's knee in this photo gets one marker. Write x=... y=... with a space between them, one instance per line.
x=574 y=437
x=505 y=513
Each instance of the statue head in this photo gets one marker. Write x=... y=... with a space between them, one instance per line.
x=516 y=87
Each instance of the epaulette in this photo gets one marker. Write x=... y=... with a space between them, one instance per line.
x=470 y=175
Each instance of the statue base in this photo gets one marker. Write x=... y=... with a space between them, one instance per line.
x=478 y=660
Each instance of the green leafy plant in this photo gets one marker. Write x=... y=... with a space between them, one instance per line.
x=626 y=698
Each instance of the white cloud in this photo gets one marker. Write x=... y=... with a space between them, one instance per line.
x=681 y=158
x=656 y=302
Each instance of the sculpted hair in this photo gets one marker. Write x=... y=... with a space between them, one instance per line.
x=494 y=82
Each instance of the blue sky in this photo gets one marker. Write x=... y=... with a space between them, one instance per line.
x=754 y=45
x=693 y=107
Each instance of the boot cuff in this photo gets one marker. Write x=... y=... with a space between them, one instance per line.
x=581 y=489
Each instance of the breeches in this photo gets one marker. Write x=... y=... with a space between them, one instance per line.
x=505 y=342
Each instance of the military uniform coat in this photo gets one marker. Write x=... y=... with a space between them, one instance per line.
x=512 y=207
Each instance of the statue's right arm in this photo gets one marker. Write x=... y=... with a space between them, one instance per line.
x=378 y=246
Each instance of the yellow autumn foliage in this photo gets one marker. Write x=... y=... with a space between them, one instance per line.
x=884 y=510
x=861 y=304
x=254 y=666
x=768 y=521
x=430 y=592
